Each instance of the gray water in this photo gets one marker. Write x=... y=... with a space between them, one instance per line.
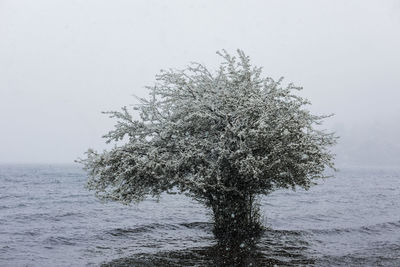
x=47 y=218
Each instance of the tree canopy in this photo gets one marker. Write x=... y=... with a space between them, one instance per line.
x=210 y=134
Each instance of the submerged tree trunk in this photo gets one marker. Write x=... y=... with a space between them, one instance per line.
x=236 y=218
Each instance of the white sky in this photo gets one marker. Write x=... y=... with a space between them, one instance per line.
x=63 y=62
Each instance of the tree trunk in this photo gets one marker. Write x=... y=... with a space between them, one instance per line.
x=236 y=218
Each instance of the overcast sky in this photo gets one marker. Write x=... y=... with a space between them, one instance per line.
x=63 y=62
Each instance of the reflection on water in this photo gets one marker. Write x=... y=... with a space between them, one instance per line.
x=275 y=248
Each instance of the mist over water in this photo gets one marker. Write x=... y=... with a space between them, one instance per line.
x=63 y=62
x=47 y=218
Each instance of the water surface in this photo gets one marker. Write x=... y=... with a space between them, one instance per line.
x=47 y=218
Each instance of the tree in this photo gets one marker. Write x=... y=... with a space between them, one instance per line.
x=222 y=138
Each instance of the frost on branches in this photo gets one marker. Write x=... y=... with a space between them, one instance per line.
x=222 y=137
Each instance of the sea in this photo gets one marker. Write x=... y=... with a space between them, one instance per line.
x=49 y=218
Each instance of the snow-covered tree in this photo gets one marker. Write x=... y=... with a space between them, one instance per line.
x=223 y=138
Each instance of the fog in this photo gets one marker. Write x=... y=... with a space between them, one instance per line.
x=63 y=62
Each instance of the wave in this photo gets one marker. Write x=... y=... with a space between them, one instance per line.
x=198 y=225
x=59 y=240
x=141 y=229
x=145 y=228
x=370 y=229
